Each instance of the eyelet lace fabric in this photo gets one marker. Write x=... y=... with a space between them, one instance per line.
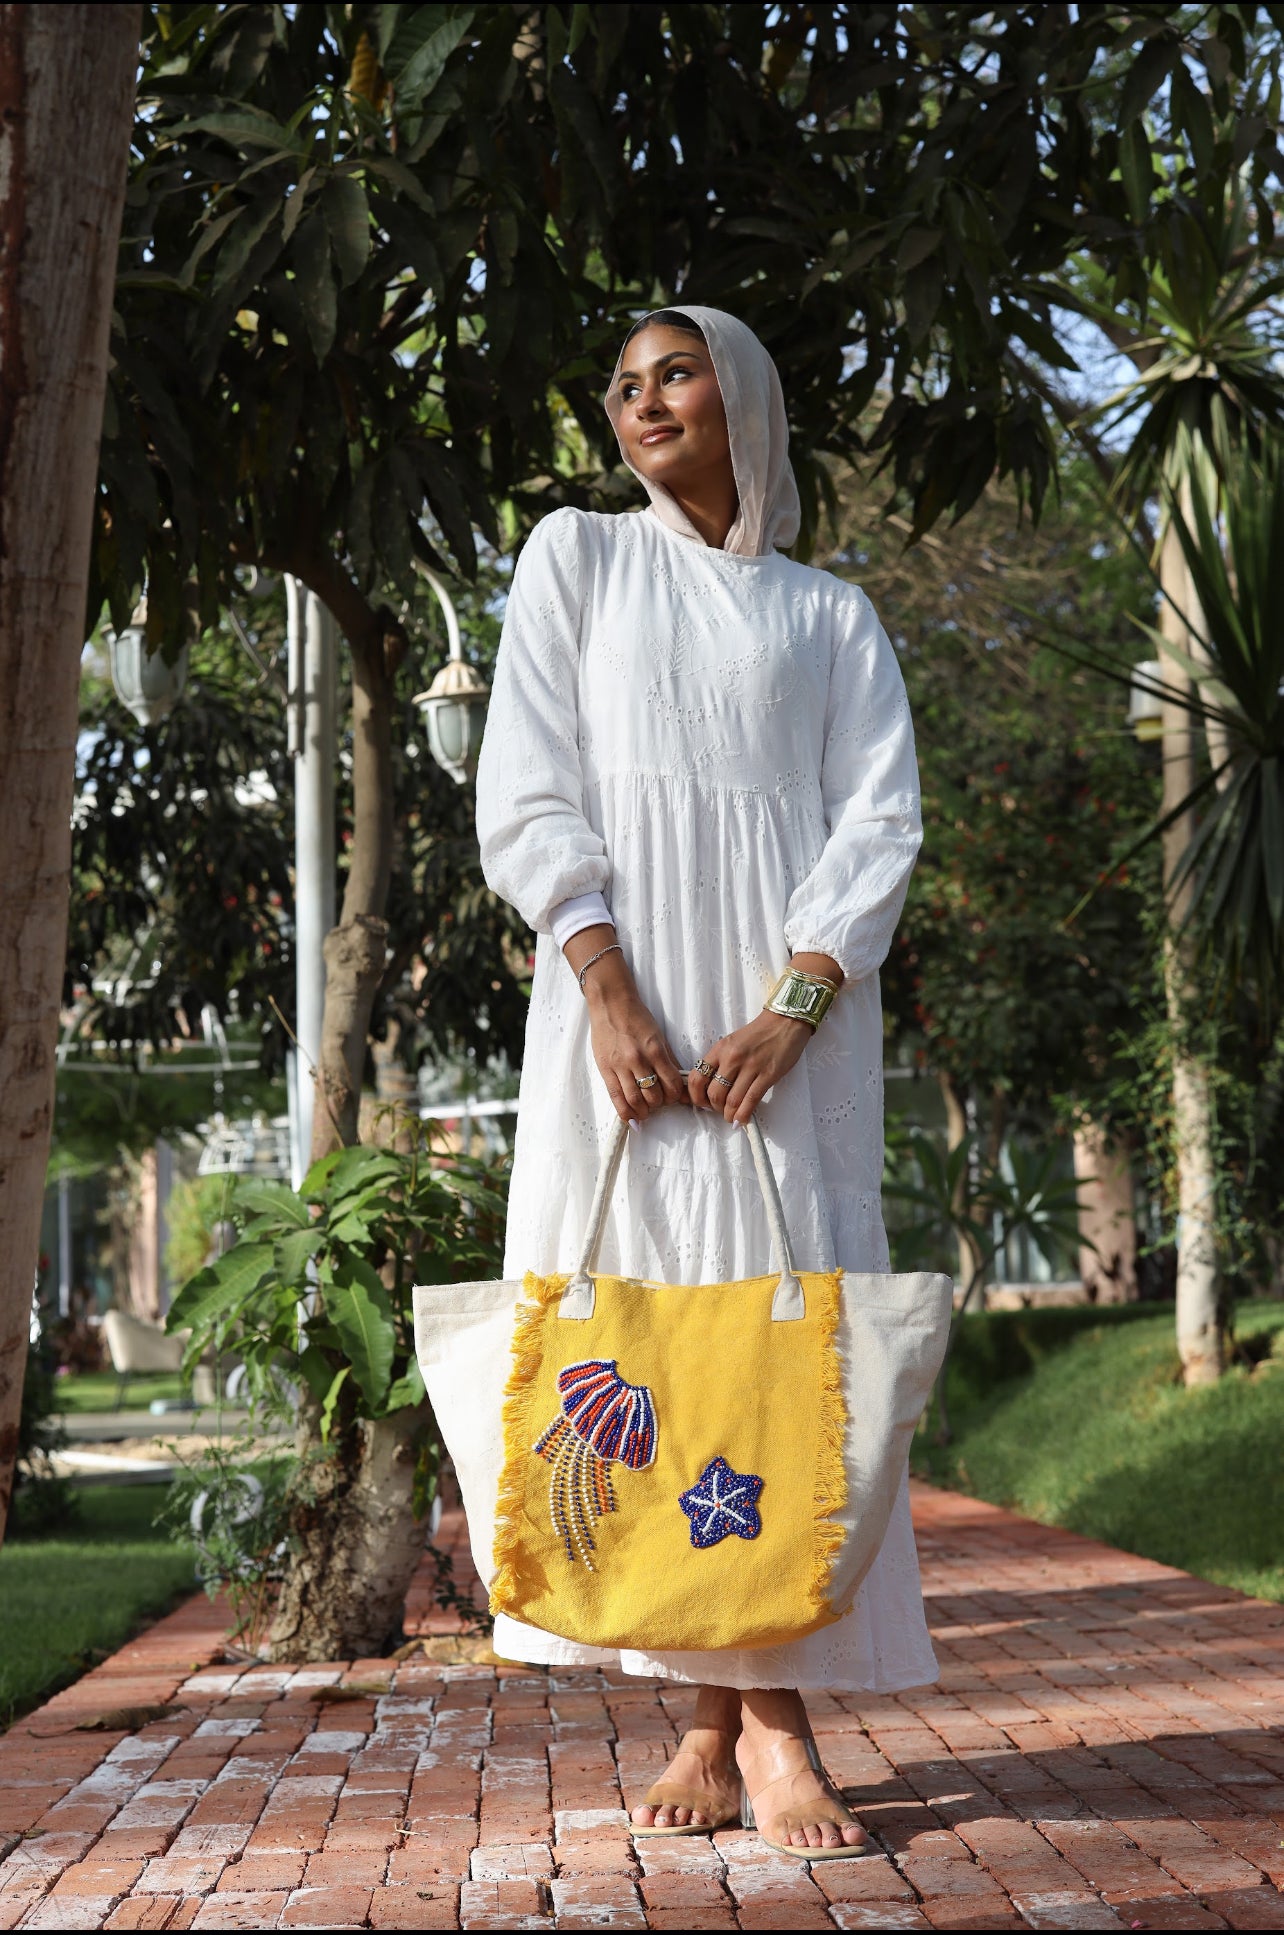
x=722 y=746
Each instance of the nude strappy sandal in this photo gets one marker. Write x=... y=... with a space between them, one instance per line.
x=671 y=1793
x=826 y=1810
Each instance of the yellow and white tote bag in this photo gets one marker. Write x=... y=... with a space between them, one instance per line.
x=679 y=1467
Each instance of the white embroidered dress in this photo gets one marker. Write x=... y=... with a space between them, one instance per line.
x=718 y=742
x=721 y=745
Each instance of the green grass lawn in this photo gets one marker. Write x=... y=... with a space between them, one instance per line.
x=70 y=1598
x=96 y=1391
x=1077 y=1418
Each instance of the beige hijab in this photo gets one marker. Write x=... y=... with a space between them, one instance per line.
x=759 y=433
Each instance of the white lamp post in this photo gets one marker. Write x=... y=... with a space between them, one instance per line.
x=144 y=681
x=455 y=703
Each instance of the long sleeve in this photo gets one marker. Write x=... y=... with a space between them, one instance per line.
x=537 y=848
x=850 y=902
x=573 y=916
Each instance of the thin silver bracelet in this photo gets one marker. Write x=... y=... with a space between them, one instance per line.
x=614 y=948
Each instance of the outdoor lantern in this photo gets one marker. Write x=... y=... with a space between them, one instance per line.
x=455 y=712
x=1145 y=700
x=144 y=681
x=456 y=701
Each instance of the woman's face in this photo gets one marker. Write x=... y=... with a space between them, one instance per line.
x=672 y=423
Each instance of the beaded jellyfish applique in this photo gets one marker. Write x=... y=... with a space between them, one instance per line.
x=721 y=1502
x=603 y=1421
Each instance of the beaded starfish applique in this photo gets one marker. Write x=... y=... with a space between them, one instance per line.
x=603 y=1421
x=721 y=1502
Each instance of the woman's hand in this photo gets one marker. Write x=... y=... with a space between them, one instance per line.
x=627 y=1040
x=752 y=1060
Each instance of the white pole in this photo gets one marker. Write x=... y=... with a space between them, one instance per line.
x=64 y=1246
x=164 y=1189
x=312 y=742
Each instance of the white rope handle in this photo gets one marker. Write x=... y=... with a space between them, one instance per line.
x=579 y=1296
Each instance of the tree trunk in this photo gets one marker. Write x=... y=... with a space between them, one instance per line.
x=1107 y=1218
x=357 y=1542
x=66 y=111
x=354 y=957
x=356 y=949
x=1200 y=1330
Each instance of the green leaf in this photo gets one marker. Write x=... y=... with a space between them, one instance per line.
x=246 y=127
x=274 y=1199
x=916 y=245
x=408 y=1389
x=316 y=1371
x=318 y=298
x=357 y=1305
x=241 y=242
x=318 y=1176
x=345 y=1173
x=1147 y=74
x=330 y=1400
x=297 y=203
x=581 y=20
x=1190 y=112
x=1136 y=169
x=294 y=1252
x=404 y=180
x=352 y=1228
x=210 y=233
x=347 y=216
x=389 y=18
x=416 y=73
x=219 y=1289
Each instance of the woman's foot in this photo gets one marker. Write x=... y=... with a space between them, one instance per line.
x=700 y=1787
x=795 y=1807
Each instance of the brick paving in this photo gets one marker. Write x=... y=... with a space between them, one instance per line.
x=1103 y=1751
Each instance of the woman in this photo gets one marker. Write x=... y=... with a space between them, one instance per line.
x=698 y=774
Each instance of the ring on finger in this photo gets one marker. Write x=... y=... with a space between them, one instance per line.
x=703 y=1068
x=728 y=1081
x=647 y=1081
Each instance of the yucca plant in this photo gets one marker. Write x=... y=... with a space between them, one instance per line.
x=1204 y=342
x=1231 y=875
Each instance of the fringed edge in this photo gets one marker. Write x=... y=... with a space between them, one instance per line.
x=528 y=1336
x=831 y=1453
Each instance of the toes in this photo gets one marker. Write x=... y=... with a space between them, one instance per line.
x=696 y=1819
x=829 y=1835
x=681 y=1816
x=643 y=1816
x=815 y=1836
x=664 y=1816
x=854 y=1836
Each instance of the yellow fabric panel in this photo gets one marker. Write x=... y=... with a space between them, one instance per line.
x=726 y=1382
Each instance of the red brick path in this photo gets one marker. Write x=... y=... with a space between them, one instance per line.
x=1102 y=1752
